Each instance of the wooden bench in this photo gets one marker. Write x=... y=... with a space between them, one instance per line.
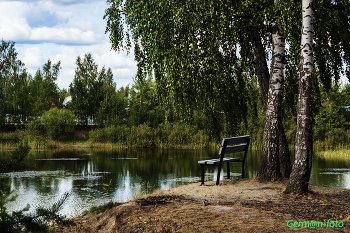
x=228 y=146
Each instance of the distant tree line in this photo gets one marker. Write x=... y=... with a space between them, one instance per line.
x=27 y=99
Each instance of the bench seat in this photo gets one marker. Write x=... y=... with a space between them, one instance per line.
x=217 y=161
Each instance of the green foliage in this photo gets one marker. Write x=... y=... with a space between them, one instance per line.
x=142 y=135
x=9 y=139
x=145 y=136
x=92 y=89
x=328 y=119
x=113 y=134
x=163 y=130
x=329 y=127
x=98 y=135
x=117 y=134
x=59 y=123
x=44 y=92
x=191 y=50
x=113 y=107
x=145 y=105
x=179 y=135
x=290 y=127
x=201 y=139
x=35 y=127
x=13 y=78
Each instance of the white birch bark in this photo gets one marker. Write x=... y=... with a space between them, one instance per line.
x=299 y=180
x=270 y=167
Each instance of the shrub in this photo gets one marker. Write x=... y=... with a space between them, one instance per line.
x=179 y=135
x=142 y=135
x=162 y=133
x=97 y=135
x=117 y=134
x=59 y=123
x=201 y=138
x=35 y=127
x=336 y=137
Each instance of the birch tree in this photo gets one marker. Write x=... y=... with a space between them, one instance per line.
x=273 y=138
x=203 y=53
x=299 y=180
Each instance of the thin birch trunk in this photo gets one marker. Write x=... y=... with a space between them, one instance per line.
x=299 y=180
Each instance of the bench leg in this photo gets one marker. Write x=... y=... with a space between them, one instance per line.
x=243 y=169
x=228 y=170
x=202 y=175
x=218 y=177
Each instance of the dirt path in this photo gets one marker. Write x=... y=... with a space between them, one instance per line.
x=234 y=206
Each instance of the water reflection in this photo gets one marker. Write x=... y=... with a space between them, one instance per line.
x=94 y=177
x=331 y=172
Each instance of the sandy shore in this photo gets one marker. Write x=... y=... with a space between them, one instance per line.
x=243 y=205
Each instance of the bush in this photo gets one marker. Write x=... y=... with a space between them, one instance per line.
x=179 y=135
x=142 y=135
x=162 y=133
x=35 y=127
x=336 y=137
x=59 y=123
x=117 y=134
x=97 y=135
x=202 y=138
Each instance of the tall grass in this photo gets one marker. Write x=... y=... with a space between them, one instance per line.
x=341 y=153
x=165 y=135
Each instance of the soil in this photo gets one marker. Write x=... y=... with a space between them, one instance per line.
x=243 y=205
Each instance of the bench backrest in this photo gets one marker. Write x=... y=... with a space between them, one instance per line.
x=233 y=145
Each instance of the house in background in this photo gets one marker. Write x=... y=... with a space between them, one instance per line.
x=67 y=99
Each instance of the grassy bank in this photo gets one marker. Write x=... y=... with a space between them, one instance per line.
x=142 y=136
x=337 y=153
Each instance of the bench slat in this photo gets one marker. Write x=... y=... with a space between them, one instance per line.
x=234 y=149
x=216 y=161
x=236 y=140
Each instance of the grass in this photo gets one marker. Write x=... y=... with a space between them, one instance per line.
x=81 y=140
x=102 y=208
x=340 y=153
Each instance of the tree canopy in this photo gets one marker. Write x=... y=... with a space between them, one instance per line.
x=202 y=50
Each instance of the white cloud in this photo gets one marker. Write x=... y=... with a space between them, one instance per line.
x=70 y=35
x=38 y=22
x=13 y=24
x=84 y=25
x=33 y=57
x=123 y=66
x=62 y=2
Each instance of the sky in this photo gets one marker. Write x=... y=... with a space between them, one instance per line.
x=62 y=30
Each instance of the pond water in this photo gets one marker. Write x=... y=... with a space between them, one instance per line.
x=95 y=177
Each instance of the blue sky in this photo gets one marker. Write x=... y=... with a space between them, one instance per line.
x=62 y=30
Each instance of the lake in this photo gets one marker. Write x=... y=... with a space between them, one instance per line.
x=95 y=177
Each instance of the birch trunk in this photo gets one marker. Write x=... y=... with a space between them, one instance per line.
x=270 y=164
x=264 y=78
x=299 y=180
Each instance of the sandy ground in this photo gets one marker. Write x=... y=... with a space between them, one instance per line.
x=243 y=205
